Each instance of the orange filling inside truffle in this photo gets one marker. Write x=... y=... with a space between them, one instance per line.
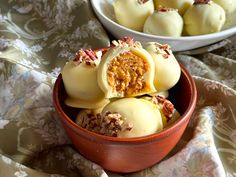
x=126 y=74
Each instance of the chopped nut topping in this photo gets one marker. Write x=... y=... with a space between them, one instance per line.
x=165 y=9
x=164 y=50
x=160 y=99
x=90 y=121
x=125 y=74
x=113 y=123
x=142 y=1
x=110 y=124
x=165 y=105
x=126 y=41
x=168 y=109
x=89 y=57
x=196 y=2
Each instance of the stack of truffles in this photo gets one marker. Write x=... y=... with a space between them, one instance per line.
x=173 y=17
x=122 y=90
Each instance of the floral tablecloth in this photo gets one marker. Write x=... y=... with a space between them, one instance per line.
x=37 y=37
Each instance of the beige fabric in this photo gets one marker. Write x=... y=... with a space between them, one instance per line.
x=37 y=37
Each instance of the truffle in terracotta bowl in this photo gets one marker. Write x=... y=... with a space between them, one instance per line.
x=129 y=153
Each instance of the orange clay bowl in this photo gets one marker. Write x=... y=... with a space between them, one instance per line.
x=126 y=155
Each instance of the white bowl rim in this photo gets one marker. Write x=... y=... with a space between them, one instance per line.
x=229 y=31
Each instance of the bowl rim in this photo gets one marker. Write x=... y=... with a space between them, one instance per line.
x=134 y=140
x=229 y=31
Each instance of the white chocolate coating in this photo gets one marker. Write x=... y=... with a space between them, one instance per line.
x=106 y=61
x=131 y=14
x=181 y=5
x=167 y=70
x=202 y=19
x=80 y=81
x=143 y=115
x=228 y=5
x=164 y=23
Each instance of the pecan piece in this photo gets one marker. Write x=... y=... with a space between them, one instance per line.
x=85 y=56
x=142 y=1
x=201 y=2
x=168 y=109
x=164 y=50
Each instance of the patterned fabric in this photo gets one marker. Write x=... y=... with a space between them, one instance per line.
x=37 y=37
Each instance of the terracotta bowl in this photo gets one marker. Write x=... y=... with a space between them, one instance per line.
x=128 y=154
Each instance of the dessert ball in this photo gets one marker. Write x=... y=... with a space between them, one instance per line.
x=126 y=70
x=133 y=117
x=125 y=117
x=133 y=13
x=181 y=5
x=164 y=22
x=204 y=17
x=228 y=5
x=80 y=80
x=167 y=69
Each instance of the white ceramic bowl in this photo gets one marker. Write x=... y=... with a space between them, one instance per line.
x=105 y=13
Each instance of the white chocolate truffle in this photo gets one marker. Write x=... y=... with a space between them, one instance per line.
x=167 y=69
x=137 y=117
x=164 y=22
x=204 y=18
x=80 y=80
x=181 y=5
x=228 y=5
x=126 y=71
x=133 y=13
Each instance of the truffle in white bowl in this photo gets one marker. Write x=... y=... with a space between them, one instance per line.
x=132 y=13
x=164 y=22
x=228 y=5
x=204 y=17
